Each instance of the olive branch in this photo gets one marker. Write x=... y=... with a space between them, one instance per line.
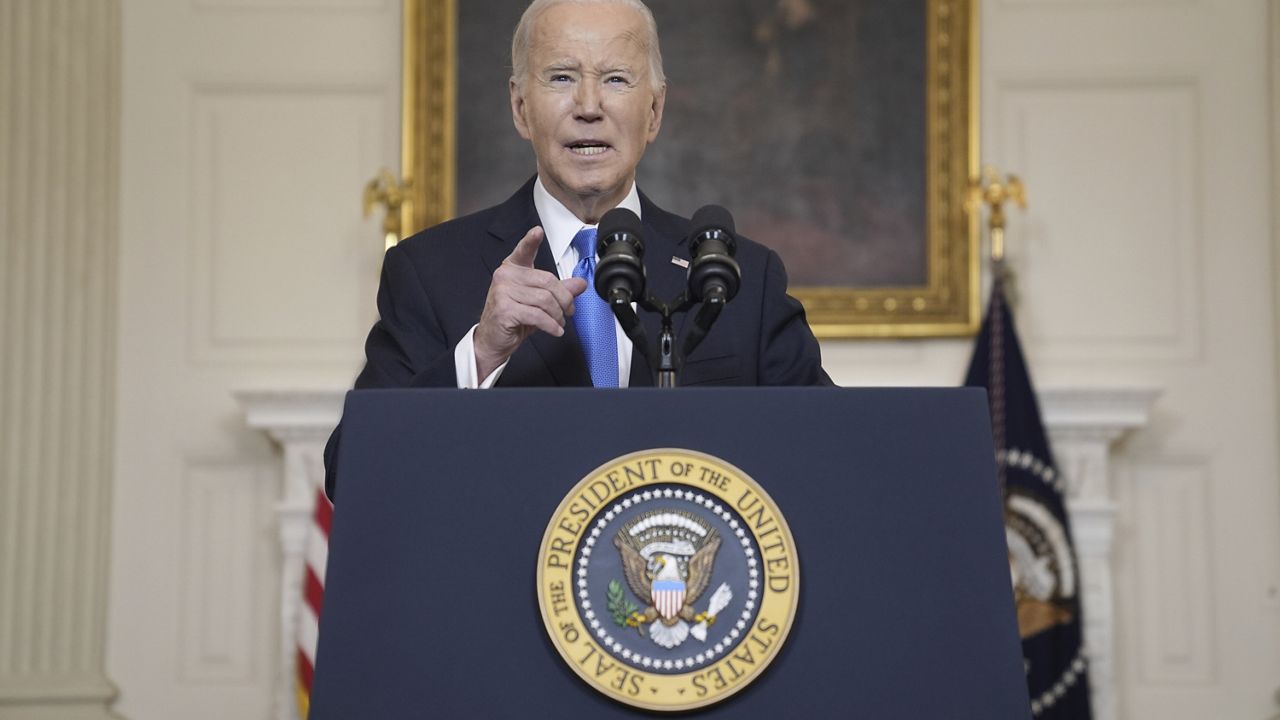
x=619 y=606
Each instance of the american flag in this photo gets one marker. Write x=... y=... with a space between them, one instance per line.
x=312 y=597
x=1049 y=619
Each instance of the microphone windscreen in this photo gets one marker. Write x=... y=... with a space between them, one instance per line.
x=619 y=219
x=712 y=217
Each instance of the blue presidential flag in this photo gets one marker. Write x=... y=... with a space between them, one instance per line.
x=1042 y=560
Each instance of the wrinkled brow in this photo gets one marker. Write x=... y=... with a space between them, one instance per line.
x=562 y=64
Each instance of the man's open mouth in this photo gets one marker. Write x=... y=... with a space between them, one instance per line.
x=587 y=147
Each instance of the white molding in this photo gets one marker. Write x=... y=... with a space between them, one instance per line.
x=1111 y=411
x=292 y=415
x=1083 y=423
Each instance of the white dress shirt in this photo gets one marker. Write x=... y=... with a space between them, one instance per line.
x=560 y=226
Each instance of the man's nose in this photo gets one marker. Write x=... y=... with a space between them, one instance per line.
x=587 y=100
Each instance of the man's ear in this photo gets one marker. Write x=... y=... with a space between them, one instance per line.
x=655 y=112
x=517 y=108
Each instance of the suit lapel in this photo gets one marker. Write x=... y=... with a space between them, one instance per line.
x=514 y=218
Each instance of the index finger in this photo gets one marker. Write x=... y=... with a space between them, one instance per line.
x=527 y=249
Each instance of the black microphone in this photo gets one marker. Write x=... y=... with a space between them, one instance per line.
x=714 y=276
x=619 y=272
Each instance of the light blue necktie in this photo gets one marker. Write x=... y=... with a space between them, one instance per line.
x=592 y=317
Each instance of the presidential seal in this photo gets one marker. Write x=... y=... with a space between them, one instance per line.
x=667 y=579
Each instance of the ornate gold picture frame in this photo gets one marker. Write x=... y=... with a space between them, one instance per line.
x=945 y=303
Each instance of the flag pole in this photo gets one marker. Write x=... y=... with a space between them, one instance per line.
x=1042 y=560
x=991 y=191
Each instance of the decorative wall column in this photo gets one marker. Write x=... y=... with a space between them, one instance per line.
x=59 y=149
x=300 y=422
x=1082 y=424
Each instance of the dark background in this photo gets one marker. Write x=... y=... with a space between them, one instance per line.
x=805 y=118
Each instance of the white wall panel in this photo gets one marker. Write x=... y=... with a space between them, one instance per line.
x=268 y=282
x=1141 y=129
x=249 y=130
x=1111 y=244
x=1172 y=540
x=223 y=524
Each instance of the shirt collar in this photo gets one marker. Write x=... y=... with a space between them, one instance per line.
x=560 y=225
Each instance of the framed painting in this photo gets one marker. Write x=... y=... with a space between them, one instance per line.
x=841 y=133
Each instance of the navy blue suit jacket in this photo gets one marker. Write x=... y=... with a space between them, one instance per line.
x=434 y=285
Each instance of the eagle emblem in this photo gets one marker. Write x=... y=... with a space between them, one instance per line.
x=667 y=559
x=1041 y=565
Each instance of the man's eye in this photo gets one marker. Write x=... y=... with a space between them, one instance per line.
x=617 y=79
x=559 y=77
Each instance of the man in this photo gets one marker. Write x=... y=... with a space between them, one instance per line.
x=501 y=297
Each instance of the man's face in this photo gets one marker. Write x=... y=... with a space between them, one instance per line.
x=587 y=102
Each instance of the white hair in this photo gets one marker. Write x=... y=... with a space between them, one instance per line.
x=520 y=40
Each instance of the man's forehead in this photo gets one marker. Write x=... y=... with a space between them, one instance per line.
x=589 y=59
x=627 y=57
x=573 y=27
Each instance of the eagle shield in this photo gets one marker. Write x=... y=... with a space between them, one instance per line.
x=668 y=597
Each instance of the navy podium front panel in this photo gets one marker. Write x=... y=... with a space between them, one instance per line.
x=444 y=495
